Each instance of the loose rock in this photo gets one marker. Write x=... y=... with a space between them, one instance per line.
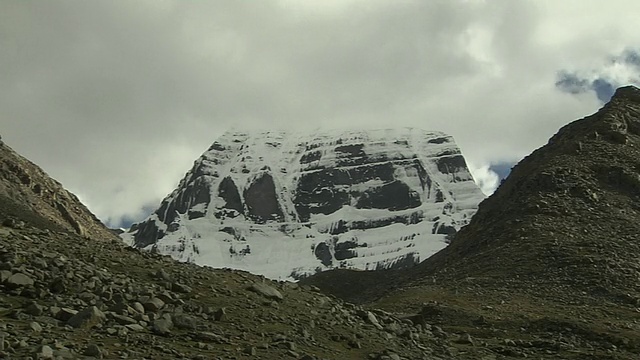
x=87 y=318
x=266 y=291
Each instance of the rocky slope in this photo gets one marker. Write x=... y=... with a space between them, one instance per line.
x=568 y=213
x=551 y=257
x=27 y=192
x=287 y=205
x=63 y=296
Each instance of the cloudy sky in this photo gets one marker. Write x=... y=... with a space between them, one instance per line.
x=116 y=99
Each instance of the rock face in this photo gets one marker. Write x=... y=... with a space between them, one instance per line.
x=292 y=204
x=27 y=192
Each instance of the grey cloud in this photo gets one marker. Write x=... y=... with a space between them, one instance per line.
x=572 y=83
x=604 y=90
x=630 y=57
x=502 y=169
x=615 y=71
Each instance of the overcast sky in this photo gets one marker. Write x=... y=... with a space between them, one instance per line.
x=116 y=99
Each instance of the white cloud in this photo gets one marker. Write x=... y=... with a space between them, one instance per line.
x=487 y=180
x=116 y=98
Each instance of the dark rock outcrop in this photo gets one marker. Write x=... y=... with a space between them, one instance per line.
x=262 y=202
x=228 y=191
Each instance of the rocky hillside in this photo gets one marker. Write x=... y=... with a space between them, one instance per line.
x=63 y=296
x=287 y=205
x=568 y=214
x=550 y=258
x=28 y=193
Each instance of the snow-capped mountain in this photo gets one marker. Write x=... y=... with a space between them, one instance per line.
x=290 y=204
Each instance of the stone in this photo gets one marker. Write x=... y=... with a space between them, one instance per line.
x=153 y=305
x=211 y=337
x=183 y=321
x=138 y=307
x=120 y=308
x=3 y=340
x=18 y=280
x=162 y=326
x=87 y=318
x=34 y=309
x=134 y=327
x=44 y=352
x=266 y=291
x=220 y=314
x=371 y=318
x=465 y=339
x=64 y=353
x=162 y=274
x=86 y=296
x=93 y=350
x=40 y=263
x=166 y=296
x=124 y=320
x=143 y=317
x=250 y=350
x=58 y=285
x=35 y=327
x=13 y=223
x=63 y=314
x=180 y=288
x=4 y=275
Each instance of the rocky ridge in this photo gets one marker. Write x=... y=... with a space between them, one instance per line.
x=288 y=205
x=568 y=213
x=28 y=193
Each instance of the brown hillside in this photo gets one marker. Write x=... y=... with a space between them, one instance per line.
x=28 y=193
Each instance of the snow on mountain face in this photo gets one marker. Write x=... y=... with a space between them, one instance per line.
x=288 y=204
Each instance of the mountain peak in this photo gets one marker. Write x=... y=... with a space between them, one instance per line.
x=289 y=204
x=626 y=93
